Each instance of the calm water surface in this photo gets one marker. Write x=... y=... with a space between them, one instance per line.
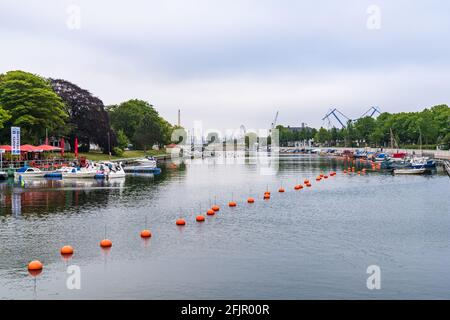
x=313 y=243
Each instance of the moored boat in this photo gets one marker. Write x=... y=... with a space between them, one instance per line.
x=79 y=173
x=410 y=171
x=423 y=162
x=148 y=162
x=111 y=170
x=29 y=172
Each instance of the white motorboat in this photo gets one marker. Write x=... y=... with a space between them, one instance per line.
x=410 y=171
x=111 y=170
x=79 y=173
x=29 y=172
x=148 y=162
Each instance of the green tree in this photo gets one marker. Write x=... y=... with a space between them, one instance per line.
x=148 y=133
x=128 y=117
x=364 y=127
x=322 y=136
x=122 y=140
x=32 y=104
x=4 y=116
x=349 y=134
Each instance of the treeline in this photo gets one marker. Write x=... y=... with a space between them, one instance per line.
x=59 y=108
x=430 y=127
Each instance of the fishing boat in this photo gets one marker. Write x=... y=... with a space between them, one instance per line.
x=410 y=171
x=29 y=172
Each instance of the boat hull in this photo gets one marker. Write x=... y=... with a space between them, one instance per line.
x=410 y=171
x=79 y=175
x=29 y=175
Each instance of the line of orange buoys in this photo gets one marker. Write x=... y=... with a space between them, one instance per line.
x=35 y=267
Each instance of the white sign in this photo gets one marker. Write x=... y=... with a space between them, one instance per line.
x=15 y=140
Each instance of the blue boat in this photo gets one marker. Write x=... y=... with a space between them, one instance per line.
x=427 y=164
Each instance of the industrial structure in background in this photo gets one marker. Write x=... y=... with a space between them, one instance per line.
x=274 y=123
x=335 y=113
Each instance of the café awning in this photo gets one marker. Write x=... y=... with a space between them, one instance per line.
x=46 y=147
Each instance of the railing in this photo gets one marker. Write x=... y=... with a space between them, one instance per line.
x=49 y=164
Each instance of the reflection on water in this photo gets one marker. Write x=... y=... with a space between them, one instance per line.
x=313 y=243
x=42 y=196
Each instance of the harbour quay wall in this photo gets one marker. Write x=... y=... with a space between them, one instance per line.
x=436 y=154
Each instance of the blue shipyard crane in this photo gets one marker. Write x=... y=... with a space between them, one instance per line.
x=372 y=111
x=335 y=113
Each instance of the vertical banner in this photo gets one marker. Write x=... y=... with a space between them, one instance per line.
x=61 y=145
x=15 y=140
x=76 y=147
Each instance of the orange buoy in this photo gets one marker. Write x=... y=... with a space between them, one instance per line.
x=306 y=181
x=267 y=192
x=250 y=200
x=146 y=234
x=67 y=250
x=232 y=204
x=281 y=190
x=266 y=196
x=210 y=212
x=318 y=178
x=325 y=177
x=308 y=184
x=200 y=218
x=215 y=208
x=181 y=222
x=297 y=187
x=106 y=243
x=321 y=175
x=35 y=265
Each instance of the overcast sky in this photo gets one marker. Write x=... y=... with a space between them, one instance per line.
x=234 y=62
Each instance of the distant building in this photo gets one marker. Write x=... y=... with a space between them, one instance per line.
x=296 y=143
x=301 y=128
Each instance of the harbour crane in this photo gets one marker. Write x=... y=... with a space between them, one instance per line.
x=373 y=110
x=274 y=123
x=334 y=113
